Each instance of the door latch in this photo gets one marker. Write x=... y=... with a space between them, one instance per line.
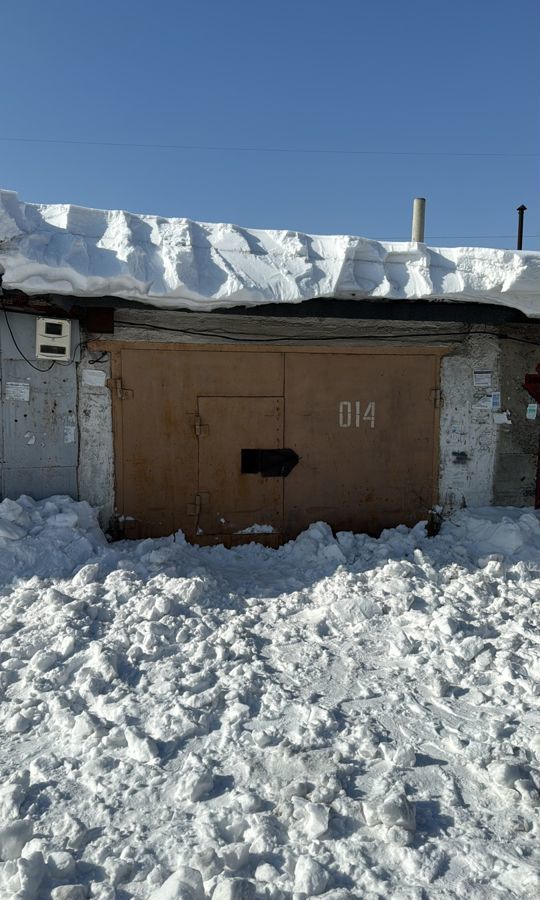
x=200 y=500
x=275 y=463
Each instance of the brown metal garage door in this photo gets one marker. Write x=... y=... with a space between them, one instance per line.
x=364 y=427
x=198 y=432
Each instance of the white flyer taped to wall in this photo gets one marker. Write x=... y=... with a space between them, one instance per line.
x=94 y=377
x=17 y=390
x=69 y=434
x=482 y=378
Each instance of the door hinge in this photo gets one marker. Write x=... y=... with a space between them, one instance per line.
x=115 y=384
x=194 y=509
x=436 y=397
x=200 y=429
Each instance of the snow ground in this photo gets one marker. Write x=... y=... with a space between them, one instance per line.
x=182 y=264
x=344 y=718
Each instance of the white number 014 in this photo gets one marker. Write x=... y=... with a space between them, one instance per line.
x=350 y=414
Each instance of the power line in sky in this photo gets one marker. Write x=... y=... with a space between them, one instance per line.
x=301 y=150
x=459 y=237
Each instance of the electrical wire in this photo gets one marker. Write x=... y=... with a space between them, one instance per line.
x=13 y=338
x=245 y=339
x=72 y=360
x=460 y=237
x=55 y=362
x=239 y=149
x=321 y=339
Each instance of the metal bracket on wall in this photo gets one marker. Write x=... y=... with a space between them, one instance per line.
x=200 y=429
x=115 y=384
x=193 y=509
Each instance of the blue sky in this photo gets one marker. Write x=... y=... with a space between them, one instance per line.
x=459 y=77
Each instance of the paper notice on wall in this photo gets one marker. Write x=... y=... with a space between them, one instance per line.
x=482 y=378
x=496 y=401
x=502 y=418
x=483 y=403
x=17 y=390
x=69 y=434
x=94 y=377
x=532 y=411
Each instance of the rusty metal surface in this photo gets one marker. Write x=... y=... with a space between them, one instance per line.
x=235 y=501
x=364 y=425
x=156 y=446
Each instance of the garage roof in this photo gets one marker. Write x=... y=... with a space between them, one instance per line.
x=181 y=264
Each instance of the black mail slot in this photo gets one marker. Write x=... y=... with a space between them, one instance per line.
x=269 y=463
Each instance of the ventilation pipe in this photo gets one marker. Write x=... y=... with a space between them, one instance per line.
x=521 y=212
x=418 y=219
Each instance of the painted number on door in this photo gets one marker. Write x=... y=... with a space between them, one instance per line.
x=351 y=414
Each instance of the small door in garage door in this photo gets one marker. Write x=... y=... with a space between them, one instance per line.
x=232 y=495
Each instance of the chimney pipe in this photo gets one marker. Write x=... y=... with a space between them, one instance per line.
x=521 y=212
x=418 y=219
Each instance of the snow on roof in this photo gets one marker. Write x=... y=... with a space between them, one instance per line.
x=179 y=263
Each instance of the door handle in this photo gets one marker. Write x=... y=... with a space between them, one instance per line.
x=275 y=463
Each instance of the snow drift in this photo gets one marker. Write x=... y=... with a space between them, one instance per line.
x=179 y=263
x=343 y=718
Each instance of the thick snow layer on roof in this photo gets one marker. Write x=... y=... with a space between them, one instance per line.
x=179 y=263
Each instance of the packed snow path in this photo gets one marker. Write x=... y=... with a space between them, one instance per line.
x=341 y=718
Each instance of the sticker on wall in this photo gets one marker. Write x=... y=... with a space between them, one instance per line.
x=502 y=418
x=17 y=390
x=482 y=378
x=94 y=377
x=69 y=434
x=532 y=411
x=496 y=401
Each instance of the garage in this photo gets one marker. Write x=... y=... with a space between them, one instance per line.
x=233 y=444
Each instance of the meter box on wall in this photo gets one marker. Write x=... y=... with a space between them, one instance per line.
x=53 y=338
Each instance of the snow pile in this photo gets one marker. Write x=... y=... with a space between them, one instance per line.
x=53 y=535
x=178 y=263
x=340 y=718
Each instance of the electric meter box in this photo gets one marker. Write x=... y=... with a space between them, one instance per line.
x=53 y=338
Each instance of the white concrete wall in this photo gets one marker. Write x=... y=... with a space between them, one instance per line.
x=96 y=457
x=468 y=433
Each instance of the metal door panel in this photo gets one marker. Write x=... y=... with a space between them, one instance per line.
x=39 y=430
x=232 y=501
x=40 y=483
x=39 y=422
x=364 y=428
x=156 y=447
